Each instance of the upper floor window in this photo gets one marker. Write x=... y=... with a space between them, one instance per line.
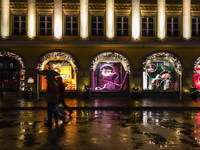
x=122 y=25
x=19 y=24
x=196 y=26
x=97 y=25
x=45 y=24
x=173 y=25
x=148 y=25
x=71 y=25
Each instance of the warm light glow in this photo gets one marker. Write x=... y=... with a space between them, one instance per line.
x=110 y=19
x=186 y=19
x=84 y=19
x=135 y=19
x=31 y=29
x=161 y=19
x=57 y=19
x=5 y=14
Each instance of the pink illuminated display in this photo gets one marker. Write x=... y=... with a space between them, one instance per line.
x=110 y=76
x=196 y=77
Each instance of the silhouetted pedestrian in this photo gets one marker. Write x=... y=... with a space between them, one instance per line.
x=52 y=100
x=62 y=94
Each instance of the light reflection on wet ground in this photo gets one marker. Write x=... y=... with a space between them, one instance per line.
x=120 y=130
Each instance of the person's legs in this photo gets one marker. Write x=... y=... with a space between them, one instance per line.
x=63 y=103
x=58 y=116
x=50 y=110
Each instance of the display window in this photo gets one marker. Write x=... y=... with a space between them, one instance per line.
x=161 y=73
x=196 y=76
x=110 y=76
x=65 y=69
x=12 y=76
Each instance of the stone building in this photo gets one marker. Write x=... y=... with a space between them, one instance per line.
x=110 y=46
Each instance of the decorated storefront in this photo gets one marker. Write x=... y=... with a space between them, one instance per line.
x=110 y=72
x=62 y=63
x=161 y=73
x=196 y=75
x=12 y=72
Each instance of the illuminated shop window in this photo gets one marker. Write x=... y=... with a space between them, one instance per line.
x=110 y=75
x=19 y=24
x=160 y=75
x=122 y=25
x=173 y=25
x=196 y=26
x=10 y=74
x=196 y=77
x=45 y=24
x=148 y=25
x=64 y=68
x=97 y=25
x=71 y=25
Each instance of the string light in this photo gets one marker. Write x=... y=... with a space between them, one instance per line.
x=167 y=56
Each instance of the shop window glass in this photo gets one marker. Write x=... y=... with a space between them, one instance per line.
x=65 y=70
x=160 y=75
x=10 y=74
x=196 y=77
x=110 y=76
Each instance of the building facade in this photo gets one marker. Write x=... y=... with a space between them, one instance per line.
x=109 y=46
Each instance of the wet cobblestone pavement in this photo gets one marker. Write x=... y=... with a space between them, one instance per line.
x=125 y=129
x=109 y=130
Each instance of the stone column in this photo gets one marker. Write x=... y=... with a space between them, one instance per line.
x=186 y=19
x=161 y=14
x=31 y=28
x=110 y=8
x=58 y=20
x=135 y=28
x=5 y=18
x=84 y=8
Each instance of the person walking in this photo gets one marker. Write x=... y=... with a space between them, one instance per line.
x=52 y=100
x=62 y=94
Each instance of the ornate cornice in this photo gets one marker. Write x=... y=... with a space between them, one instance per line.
x=122 y=6
x=71 y=6
x=44 y=5
x=174 y=7
x=102 y=6
x=148 y=6
x=97 y=6
x=195 y=7
x=18 y=5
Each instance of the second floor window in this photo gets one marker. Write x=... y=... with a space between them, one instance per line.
x=45 y=24
x=71 y=25
x=196 y=26
x=122 y=25
x=148 y=25
x=19 y=24
x=172 y=25
x=97 y=25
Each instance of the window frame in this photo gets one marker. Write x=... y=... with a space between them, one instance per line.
x=97 y=15
x=122 y=25
x=172 y=25
x=197 y=30
x=147 y=28
x=46 y=21
x=71 y=28
x=20 y=24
